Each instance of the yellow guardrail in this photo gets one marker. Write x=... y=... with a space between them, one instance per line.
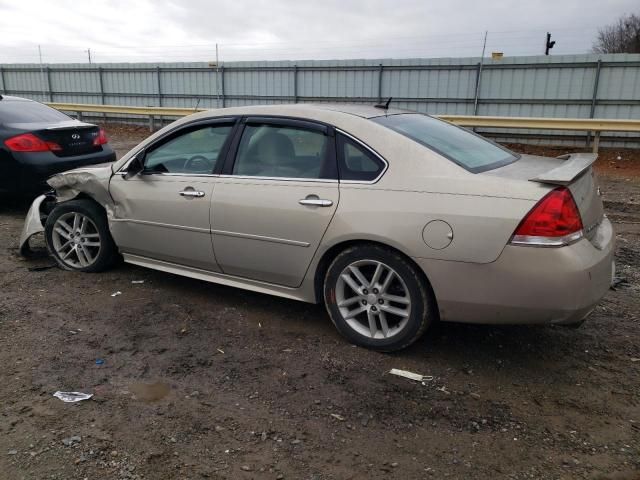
x=595 y=125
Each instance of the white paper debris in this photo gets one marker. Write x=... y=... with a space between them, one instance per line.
x=115 y=294
x=137 y=281
x=72 y=397
x=410 y=375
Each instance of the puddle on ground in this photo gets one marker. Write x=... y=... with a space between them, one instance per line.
x=150 y=392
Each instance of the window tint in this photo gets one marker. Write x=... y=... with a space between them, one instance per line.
x=195 y=152
x=356 y=162
x=20 y=111
x=282 y=152
x=463 y=147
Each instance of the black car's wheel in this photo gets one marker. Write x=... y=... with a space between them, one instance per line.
x=377 y=299
x=77 y=234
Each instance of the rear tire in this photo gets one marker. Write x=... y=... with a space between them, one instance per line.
x=78 y=237
x=377 y=299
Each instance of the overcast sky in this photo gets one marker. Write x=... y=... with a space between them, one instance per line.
x=187 y=30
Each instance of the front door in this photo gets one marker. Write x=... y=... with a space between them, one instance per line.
x=274 y=203
x=163 y=213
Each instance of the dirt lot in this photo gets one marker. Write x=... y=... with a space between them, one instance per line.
x=204 y=381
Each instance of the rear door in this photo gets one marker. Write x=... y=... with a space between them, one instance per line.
x=275 y=199
x=163 y=213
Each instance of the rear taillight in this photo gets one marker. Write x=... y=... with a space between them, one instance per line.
x=28 y=142
x=554 y=221
x=101 y=139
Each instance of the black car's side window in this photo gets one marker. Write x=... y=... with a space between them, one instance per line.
x=193 y=152
x=357 y=163
x=278 y=151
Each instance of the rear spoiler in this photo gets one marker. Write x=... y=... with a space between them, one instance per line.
x=574 y=165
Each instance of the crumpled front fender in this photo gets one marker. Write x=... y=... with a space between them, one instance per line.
x=91 y=181
x=32 y=224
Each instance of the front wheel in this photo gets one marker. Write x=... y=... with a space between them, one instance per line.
x=77 y=234
x=377 y=299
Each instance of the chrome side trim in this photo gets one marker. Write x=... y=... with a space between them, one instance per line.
x=283 y=179
x=164 y=225
x=371 y=150
x=167 y=174
x=263 y=238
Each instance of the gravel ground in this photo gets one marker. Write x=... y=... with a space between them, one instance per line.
x=204 y=381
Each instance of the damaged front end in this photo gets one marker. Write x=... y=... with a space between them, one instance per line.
x=91 y=182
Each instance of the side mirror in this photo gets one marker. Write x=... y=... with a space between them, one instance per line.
x=135 y=166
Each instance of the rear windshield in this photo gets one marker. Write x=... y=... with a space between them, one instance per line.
x=459 y=145
x=20 y=111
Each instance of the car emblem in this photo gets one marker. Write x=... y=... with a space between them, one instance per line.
x=76 y=136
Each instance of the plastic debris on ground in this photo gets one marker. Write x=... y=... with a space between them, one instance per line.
x=137 y=281
x=72 y=397
x=115 y=294
x=410 y=375
x=99 y=361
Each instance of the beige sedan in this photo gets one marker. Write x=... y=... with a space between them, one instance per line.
x=392 y=219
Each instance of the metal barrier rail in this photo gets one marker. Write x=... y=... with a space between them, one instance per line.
x=595 y=125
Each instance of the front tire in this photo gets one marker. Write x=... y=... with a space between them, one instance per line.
x=377 y=299
x=78 y=237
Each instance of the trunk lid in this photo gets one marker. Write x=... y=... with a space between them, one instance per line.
x=573 y=171
x=75 y=138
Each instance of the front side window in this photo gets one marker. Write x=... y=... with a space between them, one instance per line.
x=283 y=152
x=193 y=152
x=459 y=145
x=357 y=163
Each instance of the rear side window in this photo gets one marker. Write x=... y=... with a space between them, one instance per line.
x=20 y=111
x=357 y=163
x=459 y=145
x=283 y=152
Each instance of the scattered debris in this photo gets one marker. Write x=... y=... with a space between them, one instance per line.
x=137 y=281
x=220 y=350
x=12 y=452
x=72 y=397
x=443 y=389
x=99 y=361
x=635 y=359
x=618 y=281
x=42 y=268
x=115 y=294
x=410 y=375
x=71 y=440
x=337 y=417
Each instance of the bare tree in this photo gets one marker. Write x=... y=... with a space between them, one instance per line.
x=621 y=37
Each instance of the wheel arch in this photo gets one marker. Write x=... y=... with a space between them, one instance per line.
x=332 y=252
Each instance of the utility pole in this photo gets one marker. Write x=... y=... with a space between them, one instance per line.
x=89 y=54
x=41 y=71
x=217 y=78
x=548 y=44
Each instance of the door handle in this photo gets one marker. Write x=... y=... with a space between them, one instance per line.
x=192 y=193
x=315 y=202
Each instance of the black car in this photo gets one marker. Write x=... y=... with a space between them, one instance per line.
x=37 y=141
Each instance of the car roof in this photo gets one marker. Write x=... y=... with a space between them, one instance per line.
x=307 y=110
x=11 y=98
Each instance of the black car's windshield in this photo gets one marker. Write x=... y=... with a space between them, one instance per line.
x=20 y=111
x=459 y=145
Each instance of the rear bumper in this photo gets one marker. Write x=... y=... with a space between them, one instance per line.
x=526 y=285
x=33 y=169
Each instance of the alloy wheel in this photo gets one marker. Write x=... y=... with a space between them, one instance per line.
x=76 y=240
x=373 y=299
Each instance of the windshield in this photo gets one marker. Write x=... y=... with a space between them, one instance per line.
x=20 y=111
x=459 y=145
